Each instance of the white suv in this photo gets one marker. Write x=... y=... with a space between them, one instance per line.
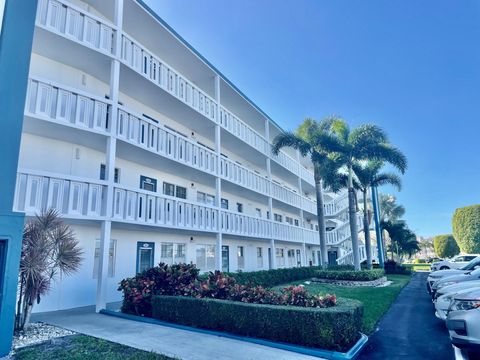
x=454 y=263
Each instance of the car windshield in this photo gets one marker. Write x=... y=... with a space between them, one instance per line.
x=475 y=272
x=471 y=264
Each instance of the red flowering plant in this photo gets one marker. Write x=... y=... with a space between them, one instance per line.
x=299 y=296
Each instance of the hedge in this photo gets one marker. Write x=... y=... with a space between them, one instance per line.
x=466 y=228
x=392 y=267
x=274 y=277
x=445 y=246
x=335 y=328
x=362 y=275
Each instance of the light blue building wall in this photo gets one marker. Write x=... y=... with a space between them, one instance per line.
x=16 y=36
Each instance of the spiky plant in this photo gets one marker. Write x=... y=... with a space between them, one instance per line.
x=368 y=174
x=49 y=248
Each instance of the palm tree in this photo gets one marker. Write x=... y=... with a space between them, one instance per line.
x=389 y=209
x=306 y=140
x=366 y=142
x=49 y=247
x=368 y=174
x=402 y=239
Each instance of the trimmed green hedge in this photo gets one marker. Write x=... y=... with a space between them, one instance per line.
x=362 y=275
x=445 y=246
x=334 y=328
x=466 y=228
x=274 y=277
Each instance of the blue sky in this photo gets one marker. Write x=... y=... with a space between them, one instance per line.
x=412 y=67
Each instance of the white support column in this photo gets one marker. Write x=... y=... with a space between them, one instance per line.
x=106 y=227
x=300 y=191
x=304 y=257
x=218 y=180
x=273 y=262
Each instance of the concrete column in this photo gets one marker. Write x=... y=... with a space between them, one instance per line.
x=111 y=149
x=17 y=22
x=273 y=262
x=218 y=180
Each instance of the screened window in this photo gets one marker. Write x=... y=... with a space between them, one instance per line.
x=168 y=189
x=224 y=204
x=277 y=217
x=103 y=174
x=240 y=257
x=181 y=192
x=111 y=258
x=205 y=257
x=259 y=257
x=239 y=207
x=171 y=253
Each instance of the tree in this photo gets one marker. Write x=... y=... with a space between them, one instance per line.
x=445 y=246
x=366 y=142
x=403 y=241
x=368 y=174
x=49 y=247
x=466 y=228
x=306 y=139
x=389 y=209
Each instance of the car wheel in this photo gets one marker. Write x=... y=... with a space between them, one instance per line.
x=444 y=268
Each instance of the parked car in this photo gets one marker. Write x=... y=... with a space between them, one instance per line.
x=456 y=262
x=463 y=323
x=450 y=280
x=447 y=294
x=434 y=276
x=433 y=259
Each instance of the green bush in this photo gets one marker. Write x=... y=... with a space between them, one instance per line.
x=445 y=246
x=362 y=275
x=340 y=268
x=392 y=267
x=334 y=328
x=466 y=228
x=274 y=277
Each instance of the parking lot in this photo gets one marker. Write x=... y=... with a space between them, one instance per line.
x=410 y=330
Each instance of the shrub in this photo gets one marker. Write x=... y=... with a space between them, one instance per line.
x=362 y=275
x=419 y=261
x=269 y=278
x=466 y=228
x=336 y=328
x=184 y=280
x=392 y=267
x=340 y=268
x=445 y=246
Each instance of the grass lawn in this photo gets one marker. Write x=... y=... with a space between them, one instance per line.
x=80 y=347
x=376 y=300
x=417 y=267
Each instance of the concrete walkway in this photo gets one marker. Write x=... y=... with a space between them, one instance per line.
x=409 y=329
x=186 y=345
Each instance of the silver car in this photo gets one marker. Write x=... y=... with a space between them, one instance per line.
x=442 y=303
x=437 y=275
x=463 y=323
x=450 y=280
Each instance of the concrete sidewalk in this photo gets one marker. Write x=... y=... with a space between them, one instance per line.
x=184 y=344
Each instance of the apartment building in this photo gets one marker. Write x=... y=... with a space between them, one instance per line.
x=152 y=155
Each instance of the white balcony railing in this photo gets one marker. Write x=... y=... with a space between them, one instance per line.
x=73 y=197
x=141 y=206
x=143 y=61
x=288 y=196
x=76 y=24
x=243 y=225
x=55 y=103
x=242 y=176
x=138 y=130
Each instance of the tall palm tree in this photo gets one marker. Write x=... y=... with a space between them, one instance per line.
x=366 y=142
x=389 y=209
x=306 y=140
x=402 y=239
x=368 y=174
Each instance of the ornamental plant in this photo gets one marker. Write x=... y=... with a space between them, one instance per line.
x=184 y=280
x=466 y=228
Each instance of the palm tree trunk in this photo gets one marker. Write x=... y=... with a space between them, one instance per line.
x=352 y=214
x=366 y=230
x=320 y=217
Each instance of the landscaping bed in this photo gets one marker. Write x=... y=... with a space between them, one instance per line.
x=334 y=328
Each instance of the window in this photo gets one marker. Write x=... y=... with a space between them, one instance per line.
x=289 y=220
x=280 y=255
x=291 y=258
x=205 y=257
x=103 y=174
x=111 y=258
x=277 y=217
x=259 y=257
x=171 y=253
x=168 y=189
x=258 y=212
x=313 y=257
x=239 y=208
x=205 y=198
x=147 y=183
x=181 y=192
x=316 y=227
x=268 y=215
x=240 y=258
x=224 y=204
x=296 y=222
x=299 y=258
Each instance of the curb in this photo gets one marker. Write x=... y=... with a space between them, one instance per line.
x=325 y=354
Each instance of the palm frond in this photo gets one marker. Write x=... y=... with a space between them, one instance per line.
x=289 y=139
x=387 y=179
